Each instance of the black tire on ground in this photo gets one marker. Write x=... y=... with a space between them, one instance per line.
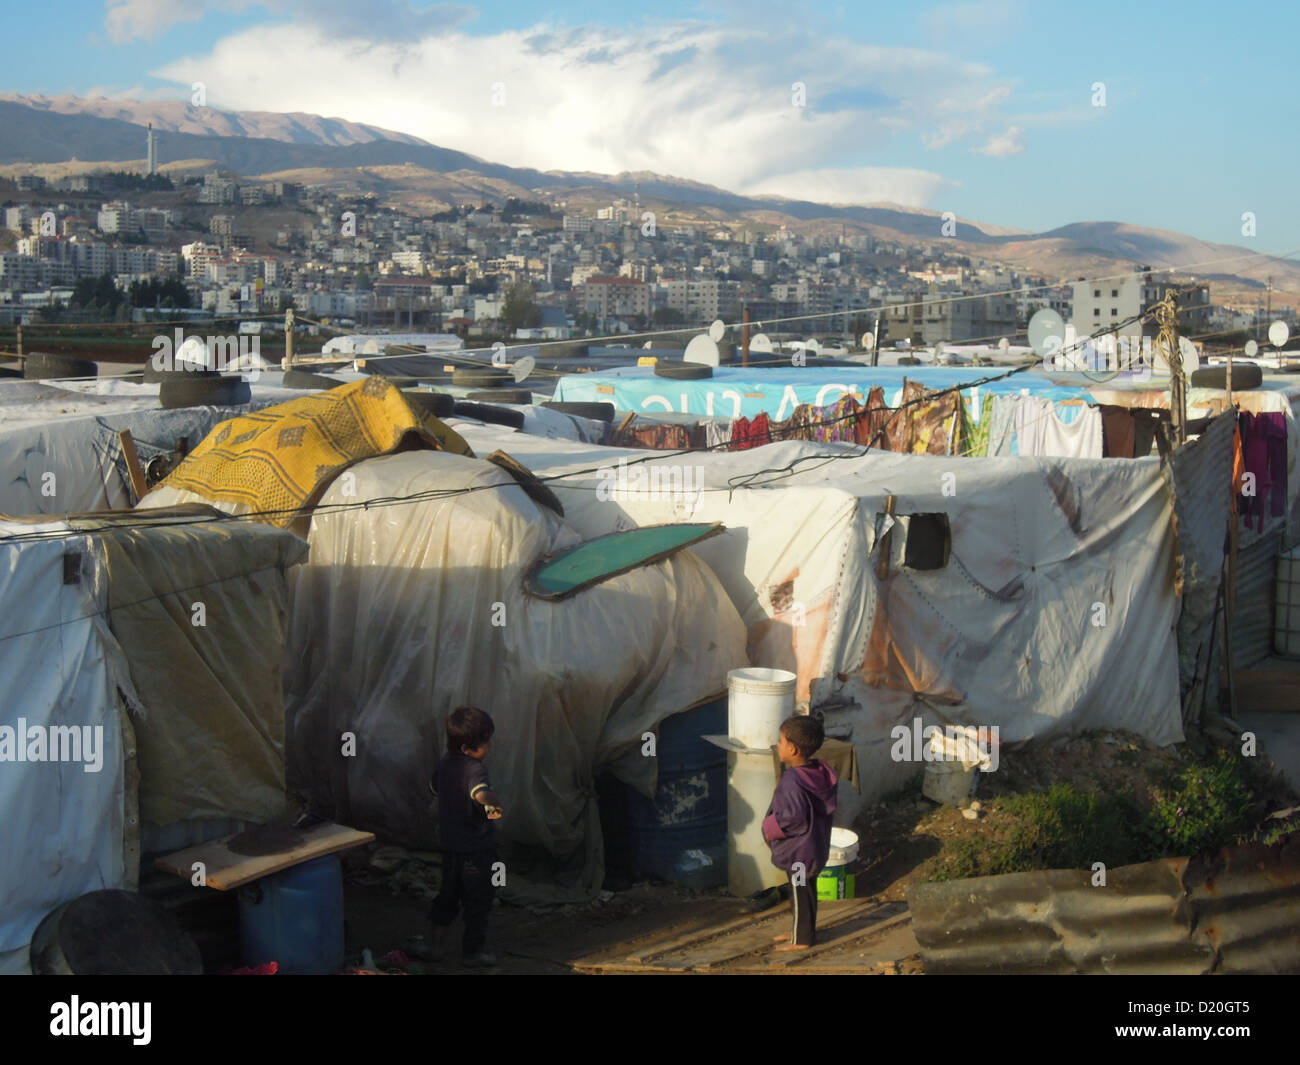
x=683 y=371
x=303 y=379
x=439 y=404
x=601 y=412
x=204 y=392
x=909 y=360
x=41 y=367
x=1244 y=375
x=485 y=377
x=177 y=370
x=484 y=412
x=515 y=397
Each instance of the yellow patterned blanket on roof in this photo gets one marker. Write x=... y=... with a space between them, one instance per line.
x=279 y=460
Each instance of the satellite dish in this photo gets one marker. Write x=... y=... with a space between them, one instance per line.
x=1004 y=345
x=1278 y=333
x=1191 y=360
x=1045 y=327
x=193 y=352
x=522 y=368
x=939 y=349
x=812 y=347
x=702 y=349
x=717 y=330
x=646 y=345
x=1252 y=349
x=868 y=341
x=760 y=343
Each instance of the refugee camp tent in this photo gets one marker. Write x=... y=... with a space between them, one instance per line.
x=1040 y=600
x=412 y=603
x=160 y=637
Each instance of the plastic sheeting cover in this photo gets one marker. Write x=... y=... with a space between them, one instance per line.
x=64 y=826
x=403 y=613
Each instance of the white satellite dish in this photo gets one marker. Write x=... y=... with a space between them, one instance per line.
x=1191 y=360
x=1046 y=332
x=646 y=345
x=717 y=330
x=939 y=349
x=812 y=346
x=1278 y=333
x=1004 y=345
x=193 y=353
x=522 y=368
x=761 y=343
x=1252 y=349
x=702 y=349
x=868 y=341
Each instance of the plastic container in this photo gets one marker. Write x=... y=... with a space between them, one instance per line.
x=836 y=882
x=758 y=701
x=681 y=835
x=844 y=847
x=950 y=783
x=1286 y=616
x=295 y=918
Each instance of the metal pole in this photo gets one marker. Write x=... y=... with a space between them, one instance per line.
x=287 y=363
x=744 y=338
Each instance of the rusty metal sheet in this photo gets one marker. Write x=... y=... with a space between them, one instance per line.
x=1232 y=911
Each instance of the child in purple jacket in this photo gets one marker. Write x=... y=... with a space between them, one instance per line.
x=798 y=823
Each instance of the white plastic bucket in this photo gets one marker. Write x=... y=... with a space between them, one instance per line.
x=844 y=847
x=758 y=700
x=950 y=783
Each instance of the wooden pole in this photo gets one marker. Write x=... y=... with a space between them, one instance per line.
x=288 y=339
x=138 y=486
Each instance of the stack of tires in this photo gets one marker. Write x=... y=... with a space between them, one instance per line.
x=491 y=400
x=179 y=386
x=38 y=366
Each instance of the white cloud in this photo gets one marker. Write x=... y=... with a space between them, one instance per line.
x=685 y=99
x=1010 y=142
x=856 y=185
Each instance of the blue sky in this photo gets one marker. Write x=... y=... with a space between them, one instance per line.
x=985 y=109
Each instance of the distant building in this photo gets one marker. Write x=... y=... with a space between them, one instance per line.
x=615 y=297
x=1099 y=305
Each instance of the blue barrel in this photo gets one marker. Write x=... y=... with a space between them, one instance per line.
x=681 y=836
x=295 y=918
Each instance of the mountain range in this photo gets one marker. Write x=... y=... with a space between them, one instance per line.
x=39 y=131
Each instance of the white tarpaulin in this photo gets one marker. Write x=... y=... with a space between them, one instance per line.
x=404 y=612
x=1054 y=612
x=61 y=668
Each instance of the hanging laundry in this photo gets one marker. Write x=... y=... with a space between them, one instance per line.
x=1118 y=432
x=1263 y=450
x=1040 y=431
x=1002 y=427
x=978 y=446
x=872 y=419
x=837 y=422
x=717 y=434
x=1146 y=423
x=746 y=434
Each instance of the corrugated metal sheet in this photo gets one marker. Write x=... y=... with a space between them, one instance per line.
x=1232 y=911
x=1252 y=625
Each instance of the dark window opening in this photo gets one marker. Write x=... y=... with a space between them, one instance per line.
x=929 y=541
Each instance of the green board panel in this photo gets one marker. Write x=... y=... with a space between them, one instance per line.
x=607 y=556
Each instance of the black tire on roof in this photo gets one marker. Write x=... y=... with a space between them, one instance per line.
x=515 y=397
x=39 y=366
x=10 y=371
x=204 y=392
x=683 y=371
x=481 y=377
x=1245 y=375
x=909 y=360
x=303 y=379
x=485 y=412
x=601 y=412
x=439 y=404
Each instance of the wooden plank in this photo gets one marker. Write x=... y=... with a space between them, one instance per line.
x=225 y=869
x=841 y=942
x=133 y=468
x=702 y=935
x=830 y=914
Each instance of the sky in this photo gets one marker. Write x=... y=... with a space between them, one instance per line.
x=1015 y=113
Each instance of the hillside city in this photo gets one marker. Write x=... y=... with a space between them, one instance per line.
x=122 y=246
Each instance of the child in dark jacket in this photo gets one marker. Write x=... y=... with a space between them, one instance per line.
x=798 y=823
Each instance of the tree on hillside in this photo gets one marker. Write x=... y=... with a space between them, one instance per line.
x=520 y=310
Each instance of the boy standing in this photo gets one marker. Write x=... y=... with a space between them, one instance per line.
x=467 y=806
x=798 y=823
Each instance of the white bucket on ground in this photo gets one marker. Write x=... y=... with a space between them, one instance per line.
x=949 y=782
x=758 y=700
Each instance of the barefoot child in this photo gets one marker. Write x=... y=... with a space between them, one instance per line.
x=467 y=806
x=798 y=823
